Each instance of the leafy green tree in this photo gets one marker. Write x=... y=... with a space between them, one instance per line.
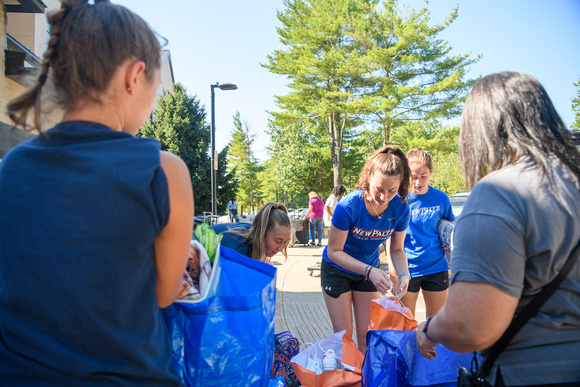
x=576 y=108
x=288 y=162
x=181 y=128
x=351 y=61
x=244 y=164
x=427 y=135
x=322 y=65
x=447 y=173
x=270 y=183
x=412 y=74
x=226 y=182
x=442 y=142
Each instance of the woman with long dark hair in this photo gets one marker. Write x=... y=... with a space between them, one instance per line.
x=515 y=233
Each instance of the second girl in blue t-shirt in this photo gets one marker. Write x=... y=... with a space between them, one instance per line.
x=427 y=263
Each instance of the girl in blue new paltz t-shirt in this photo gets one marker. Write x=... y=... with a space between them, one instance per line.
x=361 y=222
x=428 y=265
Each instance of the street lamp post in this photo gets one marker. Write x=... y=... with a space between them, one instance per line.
x=225 y=86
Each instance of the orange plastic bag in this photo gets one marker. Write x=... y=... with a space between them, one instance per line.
x=350 y=357
x=390 y=314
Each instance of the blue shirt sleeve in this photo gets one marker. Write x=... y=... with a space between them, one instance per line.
x=341 y=218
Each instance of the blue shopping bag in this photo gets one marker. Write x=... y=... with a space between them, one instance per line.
x=392 y=359
x=226 y=338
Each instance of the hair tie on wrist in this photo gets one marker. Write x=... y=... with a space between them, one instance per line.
x=426 y=327
x=365 y=272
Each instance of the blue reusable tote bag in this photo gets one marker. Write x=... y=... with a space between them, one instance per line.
x=392 y=359
x=227 y=338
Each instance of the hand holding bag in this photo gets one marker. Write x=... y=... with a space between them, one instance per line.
x=390 y=314
x=393 y=360
x=477 y=376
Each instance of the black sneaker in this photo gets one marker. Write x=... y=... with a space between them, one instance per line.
x=312 y=243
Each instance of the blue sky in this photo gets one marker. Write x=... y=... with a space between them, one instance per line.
x=226 y=40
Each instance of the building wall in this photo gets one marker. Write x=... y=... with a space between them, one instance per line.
x=166 y=74
x=9 y=89
x=31 y=30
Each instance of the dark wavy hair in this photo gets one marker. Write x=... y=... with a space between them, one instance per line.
x=338 y=190
x=390 y=161
x=509 y=115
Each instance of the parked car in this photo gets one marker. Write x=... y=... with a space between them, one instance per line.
x=297 y=213
x=458 y=200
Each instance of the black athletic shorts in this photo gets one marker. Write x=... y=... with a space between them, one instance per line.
x=335 y=281
x=436 y=282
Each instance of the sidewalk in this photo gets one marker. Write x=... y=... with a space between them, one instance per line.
x=300 y=306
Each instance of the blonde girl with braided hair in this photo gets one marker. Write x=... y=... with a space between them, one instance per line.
x=267 y=235
x=95 y=222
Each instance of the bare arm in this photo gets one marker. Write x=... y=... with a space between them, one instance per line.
x=328 y=212
x=308 y=213
x=172 y=243
x=473 y=318
x=336 y=241
x=398 y=258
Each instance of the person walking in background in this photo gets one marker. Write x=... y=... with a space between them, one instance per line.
x=515 y=233
x=337 y=193
x=428 y=265
x=315 y=212
x=268 y=234
x=233 y=209
x=96 y=222
x=362 y=221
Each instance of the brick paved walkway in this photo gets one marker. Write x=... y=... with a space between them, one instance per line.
x=300 y=307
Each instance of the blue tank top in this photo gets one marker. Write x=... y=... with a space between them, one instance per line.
x=79 y=212
x=233 y=241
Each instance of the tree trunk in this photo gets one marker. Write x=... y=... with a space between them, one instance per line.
x=335 y=132
x=387 y=134
x=251 y=197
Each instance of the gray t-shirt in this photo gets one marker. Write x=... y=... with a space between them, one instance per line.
x=515 y=234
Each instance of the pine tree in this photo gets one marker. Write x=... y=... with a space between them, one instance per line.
x=181 y=128
x=576 y=108
x=354 y=61
x=243 y=164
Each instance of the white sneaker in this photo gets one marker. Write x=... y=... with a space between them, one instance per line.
x=330 y=362
x=314 y=364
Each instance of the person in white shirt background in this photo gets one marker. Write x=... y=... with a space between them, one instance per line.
x=337 y=193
